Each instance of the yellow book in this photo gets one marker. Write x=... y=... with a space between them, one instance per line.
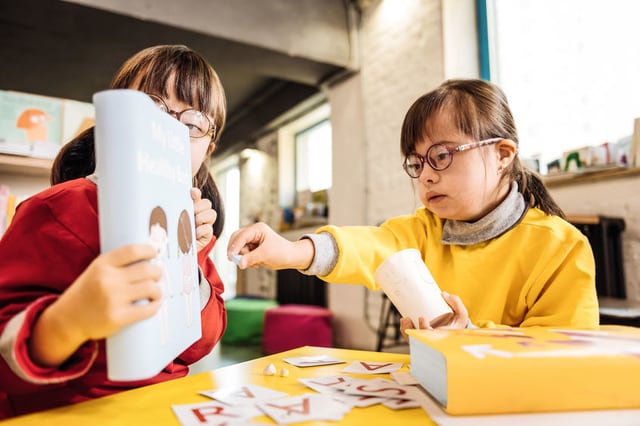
x=519 y=370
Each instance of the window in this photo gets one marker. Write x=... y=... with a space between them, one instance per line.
x=313 y=157
x=228 y=180
x=569 y=69
x=304 y=156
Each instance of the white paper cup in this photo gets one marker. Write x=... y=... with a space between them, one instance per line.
x=409 y=285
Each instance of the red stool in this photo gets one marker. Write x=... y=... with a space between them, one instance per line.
x=291 y=326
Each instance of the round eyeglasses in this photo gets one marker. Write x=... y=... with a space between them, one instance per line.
x=196 y=121
x=439 y=156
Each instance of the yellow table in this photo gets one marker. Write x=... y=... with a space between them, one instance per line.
x=151 y=405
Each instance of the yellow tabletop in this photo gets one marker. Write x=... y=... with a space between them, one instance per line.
x=151 y=405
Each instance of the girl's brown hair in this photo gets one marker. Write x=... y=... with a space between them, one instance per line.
x=151 y=70
x=481 y=111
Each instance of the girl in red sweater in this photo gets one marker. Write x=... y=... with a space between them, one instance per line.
x=60 y=298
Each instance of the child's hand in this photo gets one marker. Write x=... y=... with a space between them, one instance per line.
x=460 y=317
x=102 y=298
x=260 y=245
x=100 y=302
x=204 y=218
x=460 y=314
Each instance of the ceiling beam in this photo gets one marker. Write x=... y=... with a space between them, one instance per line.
x=246 y=125
x=319 y=31
x=70 y=50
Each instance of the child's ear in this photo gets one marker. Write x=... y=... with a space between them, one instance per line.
x=211 y=148
x=506 y=150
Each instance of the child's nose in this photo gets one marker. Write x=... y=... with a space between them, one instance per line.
x=428 y=174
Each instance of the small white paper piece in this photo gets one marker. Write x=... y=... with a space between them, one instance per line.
x=284 y=372
x=269 y=370
x=236 y=258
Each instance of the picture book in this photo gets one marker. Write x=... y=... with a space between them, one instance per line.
x=37 y=126
x=30 y=125
x=519 y=370
x=143 y=166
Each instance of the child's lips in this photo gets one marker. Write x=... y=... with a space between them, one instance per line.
x=434 y=197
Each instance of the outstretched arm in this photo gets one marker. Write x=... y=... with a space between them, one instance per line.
x=259 y=245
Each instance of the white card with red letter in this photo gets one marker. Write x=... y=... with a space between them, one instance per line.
x=245 y=394
x=303 y=408
x=371 y=367
x=212 y=413
x=325 y=384
x=313 y=361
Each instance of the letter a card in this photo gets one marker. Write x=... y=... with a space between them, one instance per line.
x=371 y=367
x=304 y=408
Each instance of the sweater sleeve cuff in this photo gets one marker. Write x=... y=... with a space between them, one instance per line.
x=14 y=350
x=326 y=254
x=204 y=288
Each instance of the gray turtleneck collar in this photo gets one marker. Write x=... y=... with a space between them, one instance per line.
x=494 y=224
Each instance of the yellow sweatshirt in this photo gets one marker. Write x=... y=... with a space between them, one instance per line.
x=539 y=273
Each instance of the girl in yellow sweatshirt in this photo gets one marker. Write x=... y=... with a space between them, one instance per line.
x=489 y=232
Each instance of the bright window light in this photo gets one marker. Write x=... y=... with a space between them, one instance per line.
x=570 y=69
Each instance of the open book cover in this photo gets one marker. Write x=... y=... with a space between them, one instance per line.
x=143 y=165
x=517 y=370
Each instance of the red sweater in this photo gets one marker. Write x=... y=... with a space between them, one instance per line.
x=52 y=239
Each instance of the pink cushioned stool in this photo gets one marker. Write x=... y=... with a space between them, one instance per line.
x=291 y=326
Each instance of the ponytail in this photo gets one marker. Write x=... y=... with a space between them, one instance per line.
x=533 y=190
x=75 y=159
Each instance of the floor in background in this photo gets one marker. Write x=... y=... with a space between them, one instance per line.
x=233 y=354
x=226 y=354
x=396 y=349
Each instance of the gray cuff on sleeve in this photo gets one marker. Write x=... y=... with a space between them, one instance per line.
x=326 y=254
x=204 y=288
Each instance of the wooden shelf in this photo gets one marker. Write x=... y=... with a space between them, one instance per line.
x=21 y=165
x=586 y=176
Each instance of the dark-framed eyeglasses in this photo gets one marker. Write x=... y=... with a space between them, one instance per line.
x=439 y=156
x=196 y=121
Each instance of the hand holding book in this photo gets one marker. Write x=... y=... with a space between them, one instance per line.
x=205 y=217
